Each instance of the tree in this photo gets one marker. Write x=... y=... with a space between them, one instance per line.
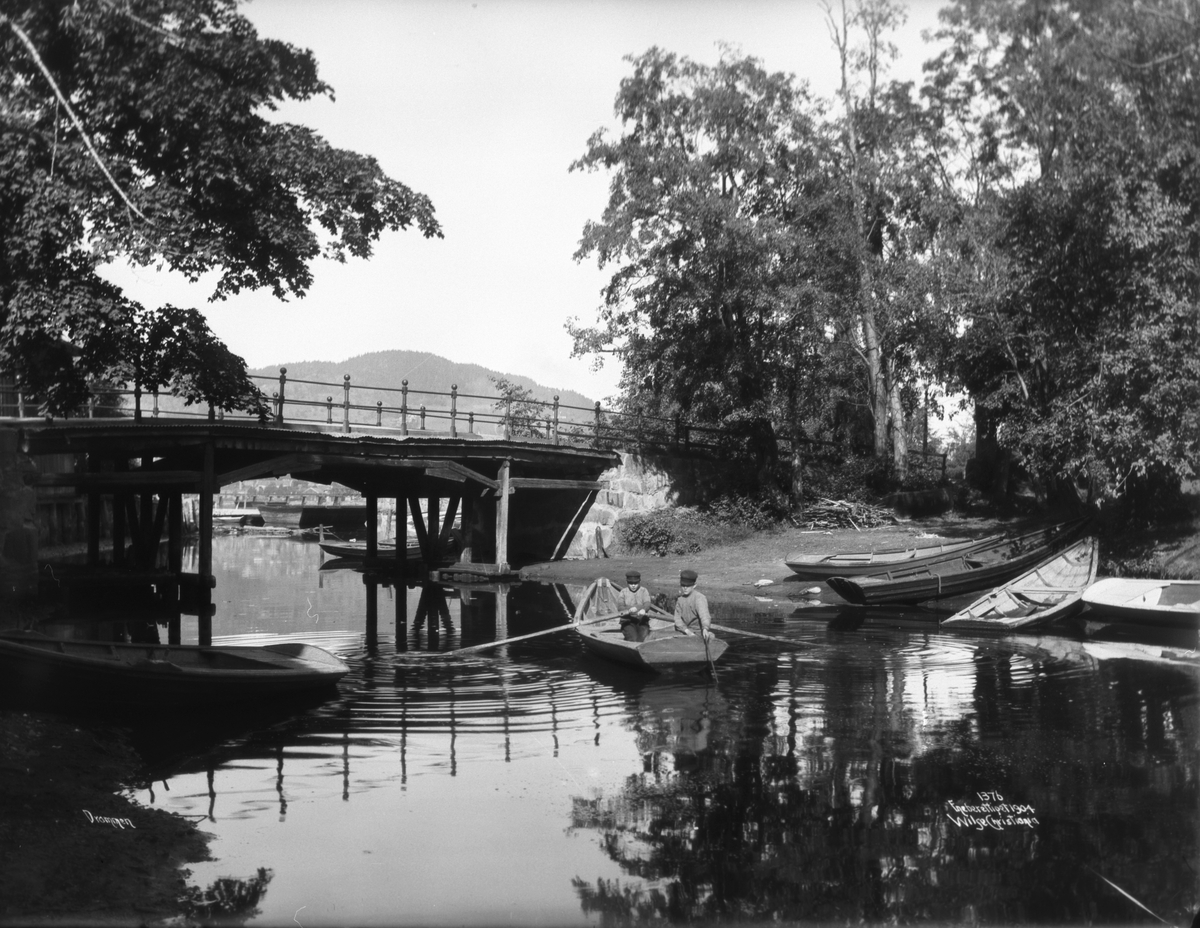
x=140 y=129
x=717 y=227
x=895 y=318
x=1082 y=358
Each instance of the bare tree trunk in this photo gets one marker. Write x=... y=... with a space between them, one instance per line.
x=899 y=434
x=876 y=386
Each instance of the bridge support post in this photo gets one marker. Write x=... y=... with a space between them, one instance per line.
x=372 y=526
x=432 y=531
x=205 y=527
x=174 y=563
x=502 y=517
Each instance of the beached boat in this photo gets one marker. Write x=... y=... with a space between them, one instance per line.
x=982 y=569
x=664 y=647
x=1158 y=603
x=145 y=676
x=1052 y=590
x=847 y=564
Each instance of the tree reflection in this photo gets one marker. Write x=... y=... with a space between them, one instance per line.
x=228 y=901
x=847 y=818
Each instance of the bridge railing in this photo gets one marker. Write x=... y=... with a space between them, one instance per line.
x=423 y=412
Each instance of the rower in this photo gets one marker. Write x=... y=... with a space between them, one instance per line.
x=634 y=601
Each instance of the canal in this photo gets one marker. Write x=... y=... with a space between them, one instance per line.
x=875 y=773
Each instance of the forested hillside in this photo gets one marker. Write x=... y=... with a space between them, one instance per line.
x=425 y=372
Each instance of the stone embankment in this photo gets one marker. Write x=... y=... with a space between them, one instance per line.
x=633 y=486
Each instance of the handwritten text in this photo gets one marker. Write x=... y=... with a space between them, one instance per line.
x=121 y=823
x=991 y=811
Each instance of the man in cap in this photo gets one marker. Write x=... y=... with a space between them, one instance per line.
x=691 y=608
x=634 y=601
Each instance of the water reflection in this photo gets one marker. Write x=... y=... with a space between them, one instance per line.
x=836 y=781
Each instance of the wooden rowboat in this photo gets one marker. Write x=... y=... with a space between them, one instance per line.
x=847 y=564
x=149 y=677
x=1051 y=590
x=1159 y=603
x=664 y=647
x=980 y=570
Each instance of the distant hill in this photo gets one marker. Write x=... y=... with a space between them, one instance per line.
x=425 y=372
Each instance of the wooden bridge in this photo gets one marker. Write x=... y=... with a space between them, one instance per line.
x=516 y=499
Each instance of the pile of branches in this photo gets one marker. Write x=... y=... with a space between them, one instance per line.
x=841 y=513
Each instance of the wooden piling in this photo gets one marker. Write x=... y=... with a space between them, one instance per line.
x=502 y=517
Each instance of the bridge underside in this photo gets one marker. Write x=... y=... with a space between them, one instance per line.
x=516 y=500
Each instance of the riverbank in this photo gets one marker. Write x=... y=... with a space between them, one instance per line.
x=73 y=849
x=733 y=570
x=736 y=571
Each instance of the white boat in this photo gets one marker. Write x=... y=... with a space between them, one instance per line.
x=1051 y=590
x=1132 y=601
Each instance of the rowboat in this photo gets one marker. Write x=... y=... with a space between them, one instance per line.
x=1159 y=603
x=149 y=677
x=664 y=647
x=356 y=551
x=983 y=568
x=1051 y=590
x=847 y=564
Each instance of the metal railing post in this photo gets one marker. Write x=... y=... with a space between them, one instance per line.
x=154 y=411
x=508 y=417
x=597 y=423
x=470 y=423
x=346 y=403
x=274 y=405
x=422 y=417
x=554 y=433
x=453 y=410
x=282 y=389
x=379 y=412
x=329 y=410
x=404 y=407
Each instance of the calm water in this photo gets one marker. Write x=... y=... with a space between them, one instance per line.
x=877 y=774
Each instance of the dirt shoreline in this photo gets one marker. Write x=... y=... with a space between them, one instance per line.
x=729 y=573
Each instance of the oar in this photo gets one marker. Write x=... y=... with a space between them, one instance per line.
x=545 y=631
x=738 y=631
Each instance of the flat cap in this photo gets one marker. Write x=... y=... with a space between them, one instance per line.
x=632 y=575
x=687 y=577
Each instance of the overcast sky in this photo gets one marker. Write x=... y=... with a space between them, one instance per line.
x=483 y=105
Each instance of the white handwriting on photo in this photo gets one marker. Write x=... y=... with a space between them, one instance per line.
x=991 y=811
x=121 y=823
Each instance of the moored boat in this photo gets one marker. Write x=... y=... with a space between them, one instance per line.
x=151 y=677
x=384 y=551
x=1158 y=603
x=663 y=647
x=1049 y=591
x=979 y=570
x=854 y=564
